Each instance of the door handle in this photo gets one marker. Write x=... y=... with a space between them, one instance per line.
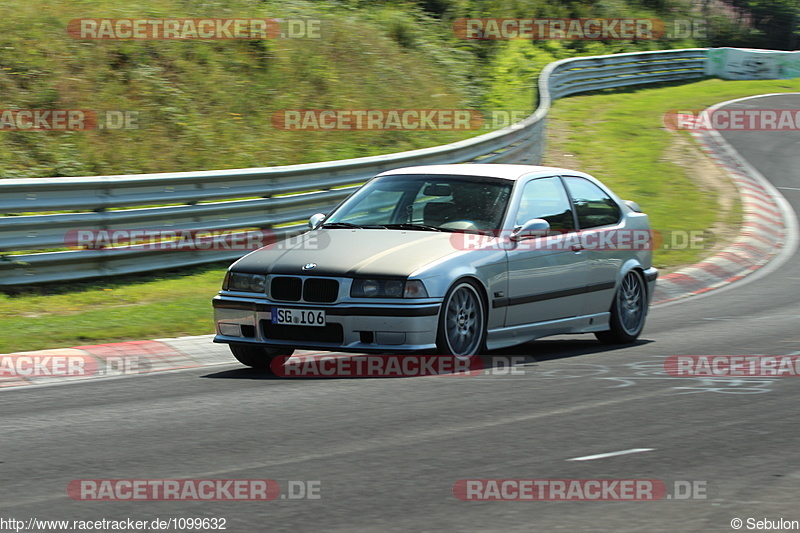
x=577 y=247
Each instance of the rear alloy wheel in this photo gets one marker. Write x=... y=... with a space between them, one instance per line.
x=258 y=356
x=462 y=322
x=628 y=311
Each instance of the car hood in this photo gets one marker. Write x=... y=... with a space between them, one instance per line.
x=351 y=252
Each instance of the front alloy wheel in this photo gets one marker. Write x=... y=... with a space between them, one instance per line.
x=462 y=322
x=627 y=311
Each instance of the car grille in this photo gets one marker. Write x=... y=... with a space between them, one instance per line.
x=320 y=290
x=291 y=289
x=286 y=288
x=330 y=333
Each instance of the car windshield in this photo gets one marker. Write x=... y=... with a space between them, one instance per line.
x=426 y=202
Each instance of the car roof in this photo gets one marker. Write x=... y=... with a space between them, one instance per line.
x=504 y=171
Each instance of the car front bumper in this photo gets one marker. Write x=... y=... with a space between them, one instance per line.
x=650 y=276
x=365 y=328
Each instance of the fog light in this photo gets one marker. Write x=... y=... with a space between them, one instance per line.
x=229 y=330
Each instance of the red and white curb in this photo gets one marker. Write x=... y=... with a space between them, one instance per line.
x=119 y=359
x=768 y=230
x=107 y=360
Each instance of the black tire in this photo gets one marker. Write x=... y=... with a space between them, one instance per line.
x=628 y=311
x=462 y=321
x=258 y=356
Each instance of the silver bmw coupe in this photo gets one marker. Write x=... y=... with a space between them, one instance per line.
x=449 y=259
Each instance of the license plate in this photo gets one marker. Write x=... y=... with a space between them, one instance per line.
x=298 y=317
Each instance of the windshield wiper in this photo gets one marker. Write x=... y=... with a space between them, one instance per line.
x=341 y=225
x=408 y=225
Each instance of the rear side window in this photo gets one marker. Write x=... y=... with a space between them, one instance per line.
x=593 y=206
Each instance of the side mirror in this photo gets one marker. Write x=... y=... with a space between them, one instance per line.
x=633 y=205
x=315 y=220
x=535 y=227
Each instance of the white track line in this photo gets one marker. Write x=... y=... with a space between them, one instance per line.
x=610 y=454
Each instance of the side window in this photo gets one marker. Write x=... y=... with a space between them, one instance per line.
x=545 y=198
x=593 y=205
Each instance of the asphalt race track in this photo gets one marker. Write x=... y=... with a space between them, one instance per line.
x=386 y=453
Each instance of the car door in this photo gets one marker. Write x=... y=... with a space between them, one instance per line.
x=546 y=275
x=597 y=214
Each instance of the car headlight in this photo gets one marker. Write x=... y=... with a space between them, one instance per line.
x=239 y=281
x=387 y=288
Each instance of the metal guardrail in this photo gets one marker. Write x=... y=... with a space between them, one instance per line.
x=283 y=195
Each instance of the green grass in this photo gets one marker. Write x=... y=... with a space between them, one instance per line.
x=208 y=104
x=167 y=304
x=620 y=138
